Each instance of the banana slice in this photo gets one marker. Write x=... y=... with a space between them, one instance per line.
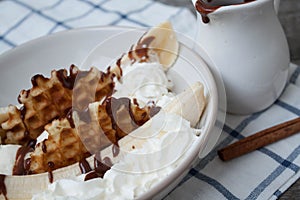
x=192 y=112
x=23 y=187
x=165 y=43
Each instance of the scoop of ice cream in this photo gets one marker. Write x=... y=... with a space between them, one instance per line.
x=144 y=81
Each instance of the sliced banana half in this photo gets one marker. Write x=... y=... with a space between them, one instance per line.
x=24 y=187
x=165 y=44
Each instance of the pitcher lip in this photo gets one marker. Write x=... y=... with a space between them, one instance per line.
x=232 y=7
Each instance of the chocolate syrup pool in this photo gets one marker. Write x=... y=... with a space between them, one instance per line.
x=209 y=6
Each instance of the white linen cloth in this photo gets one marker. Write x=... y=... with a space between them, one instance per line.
x=262 y=174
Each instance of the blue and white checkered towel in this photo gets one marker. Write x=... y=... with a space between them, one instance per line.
x=263 y=174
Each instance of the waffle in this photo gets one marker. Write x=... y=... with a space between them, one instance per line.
x=51 y=98
x=58 y=150
x=83 y=133
x=13 y=129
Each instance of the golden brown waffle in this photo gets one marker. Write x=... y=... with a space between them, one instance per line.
x=51 y=153
x=51 y=98
x=12 y=129
x=45 y=101
x=82 y=133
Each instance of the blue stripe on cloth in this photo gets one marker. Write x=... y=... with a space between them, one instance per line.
x=53 y=28
x=226 y=193
x=53 y=5
x=95 y=5
x=283 y=162
x=7 y=42
x=295 y=75
x=288 y=107
x=265 y=183
x=122 y=16
x=79 y=16
x=17 y=24
x=232 y=135
x=132 y=12
x=41 y=14
x=48 y=8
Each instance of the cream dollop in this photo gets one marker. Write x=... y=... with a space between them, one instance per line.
x=146 y=82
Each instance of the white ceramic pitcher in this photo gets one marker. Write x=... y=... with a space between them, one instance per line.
x=247 y=44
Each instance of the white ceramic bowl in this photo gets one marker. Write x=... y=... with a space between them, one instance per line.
x=62 y=49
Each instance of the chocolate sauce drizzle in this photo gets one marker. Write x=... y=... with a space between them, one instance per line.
x=34 y=79
x=100 y=167
x=204 y=8
x=118 y=63
x=67 y=81
x=84 y=166
x=113 y=105
x=130 y=55
x=21 y=166
x=142 y=48
x=44 y=146
x=51 y=166
x=31 y=143
x=22 y=112
x=70 y=118
x=3 y=186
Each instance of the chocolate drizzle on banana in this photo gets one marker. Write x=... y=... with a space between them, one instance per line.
x=101 y=166
x=140 y=52
x=21 y=166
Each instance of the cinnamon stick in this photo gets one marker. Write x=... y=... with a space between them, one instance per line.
x=260 y=139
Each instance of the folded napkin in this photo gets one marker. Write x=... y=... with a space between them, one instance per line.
x=262 y=174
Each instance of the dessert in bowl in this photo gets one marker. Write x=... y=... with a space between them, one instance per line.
x=112 y=133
